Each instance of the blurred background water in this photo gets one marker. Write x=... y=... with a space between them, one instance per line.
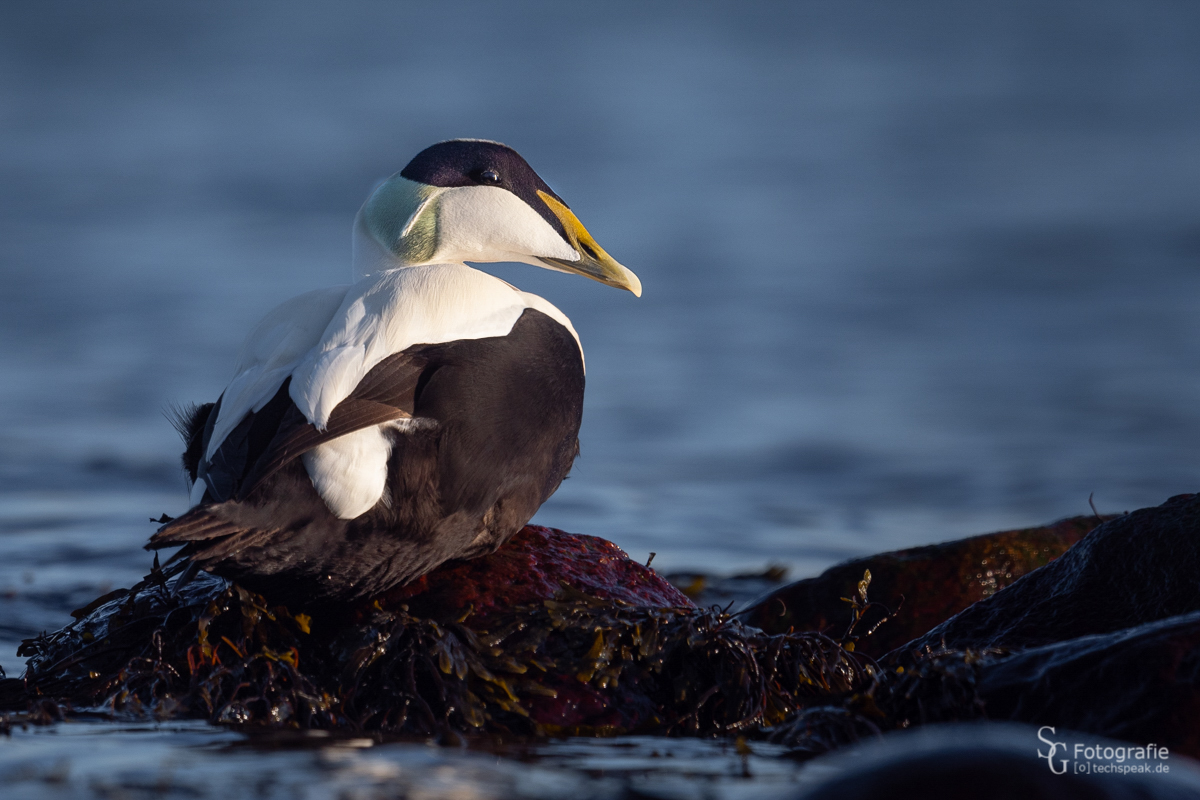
x=912 y=270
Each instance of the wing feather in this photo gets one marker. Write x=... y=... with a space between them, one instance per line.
x=386 y=394
x=197 y=525
x=264 y=441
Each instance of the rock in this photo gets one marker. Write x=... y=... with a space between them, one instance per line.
x=1106 y=640
x=532 y=567
x=983 y=760
x=1134 y=569
x=935 y=582
x=1141 y=684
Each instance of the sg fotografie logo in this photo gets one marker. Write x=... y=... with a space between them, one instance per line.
x=1098 y=759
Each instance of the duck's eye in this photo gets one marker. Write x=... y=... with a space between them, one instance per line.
x=489 y=176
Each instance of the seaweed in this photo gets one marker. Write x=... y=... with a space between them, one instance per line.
x=574 y=664
x=860 y=605
x=938 y=686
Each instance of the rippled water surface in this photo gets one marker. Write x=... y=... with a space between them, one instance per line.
x=196 y=760
x=912 y=271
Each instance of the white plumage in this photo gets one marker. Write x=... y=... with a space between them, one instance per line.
x=350 y=472
x=378 y=316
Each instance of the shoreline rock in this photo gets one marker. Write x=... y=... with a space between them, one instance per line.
x=925 y=585
x=1139 y=684
x=558 y=634
x=532 y=567
x=1137 y=568
x=1103 y=640
x=996 y=760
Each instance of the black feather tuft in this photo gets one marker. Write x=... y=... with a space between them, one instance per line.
x=189 y=420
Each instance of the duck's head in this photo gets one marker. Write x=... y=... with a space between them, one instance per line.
x=472 y=200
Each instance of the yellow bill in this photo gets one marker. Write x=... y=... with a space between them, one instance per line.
x=593 y=262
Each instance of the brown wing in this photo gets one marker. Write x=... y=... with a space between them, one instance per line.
x=274 y=435
x=216 y=526
x=267 y=440
x=387 y=393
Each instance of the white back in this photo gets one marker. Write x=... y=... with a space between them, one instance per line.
x=359 y=326
x=385 y=314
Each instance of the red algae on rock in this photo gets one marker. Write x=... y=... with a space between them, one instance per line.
x=926 y=585
x=532 y=567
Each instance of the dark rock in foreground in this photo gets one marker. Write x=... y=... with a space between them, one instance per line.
x=1106 y=639
x=1141 y=684
x=567 y=635
x=927 y=585
x=1137 y=568
x=989 y=761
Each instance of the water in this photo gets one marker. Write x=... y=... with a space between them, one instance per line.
x=911 y=271
x=189 y=760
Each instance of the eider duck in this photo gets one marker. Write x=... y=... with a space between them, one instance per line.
x=424 y=413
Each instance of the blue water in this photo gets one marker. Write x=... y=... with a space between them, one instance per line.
x=912 y=271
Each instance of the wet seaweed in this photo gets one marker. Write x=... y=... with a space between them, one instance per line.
x=860 y=606
x=938 y=686
x=575 y=664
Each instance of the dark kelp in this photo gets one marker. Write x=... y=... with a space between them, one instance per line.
x=937 y=687
x=569 y=663
x=1138 y=685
